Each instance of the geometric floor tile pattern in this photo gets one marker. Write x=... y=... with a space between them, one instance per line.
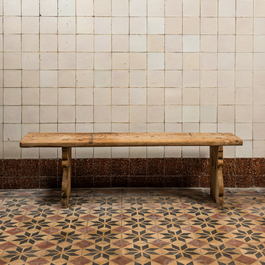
x=132 y=226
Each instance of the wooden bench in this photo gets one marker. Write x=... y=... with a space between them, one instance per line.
x=66 y=141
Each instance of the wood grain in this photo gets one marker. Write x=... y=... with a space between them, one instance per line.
x=128 y=139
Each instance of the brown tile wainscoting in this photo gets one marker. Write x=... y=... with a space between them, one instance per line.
x=150 y=172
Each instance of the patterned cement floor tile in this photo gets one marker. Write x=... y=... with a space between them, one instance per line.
x=132 y=226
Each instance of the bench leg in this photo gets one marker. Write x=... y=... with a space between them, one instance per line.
x=216 y=175
x=66 y=181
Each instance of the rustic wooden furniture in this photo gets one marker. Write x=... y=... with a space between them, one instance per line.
x=216 y=141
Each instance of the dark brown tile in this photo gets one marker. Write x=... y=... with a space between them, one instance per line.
x=205 y=166
x=1 y=168
x=204 y=181
x=30 y=167
x=155 y=181
x=102 y=167
x=258 y=165
x=155 y=166
x=259 y=181
x=102 y=181
x=138 y=166
x=11 y=183
x=229 y=181
x=229 y=167
x=85 y=182
x=174 y=181
x=137 y=181
x=120 y=167
x=243 y=166
x=244 y=181
x=191 y=181
x=84 y=167
x=171 y=166
x=12 y=167
x=120 y=181
x=191 y=167
x=49 y=168
x=47 y=182
x=30 y=182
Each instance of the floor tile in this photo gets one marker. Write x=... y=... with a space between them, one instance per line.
x=132 y=226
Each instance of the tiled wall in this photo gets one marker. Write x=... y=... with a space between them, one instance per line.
x=132 y=66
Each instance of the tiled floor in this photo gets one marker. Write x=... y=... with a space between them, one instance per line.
x=132 y=226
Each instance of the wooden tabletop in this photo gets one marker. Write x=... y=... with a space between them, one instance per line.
x=128 y=139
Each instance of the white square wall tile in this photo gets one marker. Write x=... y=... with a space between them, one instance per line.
x=173 y=96
x=12 y=96
x=66 y=25
x=48 y=7
x=48 y=114
x=102 y=114
x=138 y=78
x=120 y=7
x=84 y=8
x=66 y=96
x=84 y=25
x=137 y=25
x=102 y=96
x=155 y=96
x=30 y=96
x=227 y=8
x=84 y=96
x=66 y=7
x=66 y=114
x=191 y=43
x=30 y=8
x=138 y=115
x=156 y=8
x=120 y=78
x=191 y=113
x=120 y=113
x=12 y=7
x=191 y=8
x=244 y=130
x=102 y=78
x=30 y=114
x=173 y=43
x=173 y=113
x=138 y=8
x=102 y=25
x=12 y=150
x=120 y=96
x=84 y=114
x=155 y=114
x=138 y=96
x=12 y=25
x=48 y=96
x=245 y=150
x=173 y=8
x=156 y=78
x=12 y=132
x=208 y=114
x=120 y=25
x=102 y=8
x=30 y=25
x=137 y=43
x=120 y=43
x=155 y=60
x=226 y=114
x=191 y=96
x=155 y=25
